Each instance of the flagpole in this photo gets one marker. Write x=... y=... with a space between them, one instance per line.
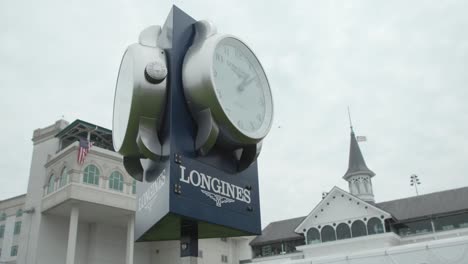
x=88 y=138
x=349 y=116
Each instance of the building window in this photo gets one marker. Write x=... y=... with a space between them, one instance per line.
x=343 y=231
x=374 y=226
x=277 y=248
x=134 y=187
x=451 y=222
x=266 y=250
x=313 y=236
x=14 y=251
x=51 y=184
x=91 y=175
x=0 y=252
x=2 y=230
x=200 y=253
x=224 y=239
x=2 y=217
x=19 y=212
x=63 y=178
x=328 y=234
x=414 y=228
x=17 y=228
x=290 y=246
x=224 y=258
x=358 y=228
x=116 y=181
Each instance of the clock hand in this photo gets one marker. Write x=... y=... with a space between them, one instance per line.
x=245 y=82
x=238 y=72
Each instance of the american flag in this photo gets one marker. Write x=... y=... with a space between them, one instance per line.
x=83 y=150
x=361 y=138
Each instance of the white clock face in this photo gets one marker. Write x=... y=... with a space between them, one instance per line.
x=122 y=100
x=242 y=87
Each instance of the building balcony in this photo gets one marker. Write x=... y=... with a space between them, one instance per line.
x=279 y=258
x=103 y=193
x=350 y=245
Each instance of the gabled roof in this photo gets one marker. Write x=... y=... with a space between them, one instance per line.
x=416 y=207
x=336 y=191
x=278 y=231
x=356 y=165
x=427 y=205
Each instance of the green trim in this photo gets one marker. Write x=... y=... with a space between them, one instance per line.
x=81 y=122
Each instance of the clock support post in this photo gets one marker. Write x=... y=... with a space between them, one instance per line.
x=180 y=36
x=189 y=242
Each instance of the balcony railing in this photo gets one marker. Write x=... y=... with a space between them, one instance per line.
x=63 y=170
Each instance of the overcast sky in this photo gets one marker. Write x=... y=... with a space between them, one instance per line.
x=400 y=65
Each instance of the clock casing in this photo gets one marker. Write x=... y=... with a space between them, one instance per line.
x=243 y=78
x=139 y=102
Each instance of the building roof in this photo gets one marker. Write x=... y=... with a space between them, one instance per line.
x=79 y=129
x=415 y=207
x=356 y=165
x=279 y=231
x=21 y=196
x=427 y=205
x=328 y=201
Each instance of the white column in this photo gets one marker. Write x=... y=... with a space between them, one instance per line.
x=72 y=232
x=130 y=239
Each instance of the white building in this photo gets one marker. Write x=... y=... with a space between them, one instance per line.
x=11 y=216
x=84 y=213
x=350 y=228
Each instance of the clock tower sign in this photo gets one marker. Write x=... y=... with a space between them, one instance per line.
x=191 y=109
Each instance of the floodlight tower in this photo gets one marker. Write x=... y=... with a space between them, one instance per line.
x=415 y=182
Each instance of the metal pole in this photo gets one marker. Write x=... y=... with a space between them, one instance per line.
x=415 y=182
x=189 y=242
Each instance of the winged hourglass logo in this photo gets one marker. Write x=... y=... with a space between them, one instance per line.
x=218 y=198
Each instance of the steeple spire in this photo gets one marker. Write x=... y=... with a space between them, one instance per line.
x=349 y=116
x=356 y=165
x=358 y=175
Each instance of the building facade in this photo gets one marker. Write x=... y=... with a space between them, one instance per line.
x=350 y=227
x=83 y=212
x=11 y=220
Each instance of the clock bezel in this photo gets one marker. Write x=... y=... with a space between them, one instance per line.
x=148 y=99
x=200 y=90
x=252 y=59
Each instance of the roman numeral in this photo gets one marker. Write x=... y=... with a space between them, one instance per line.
x=238 y=53
x=219 y=57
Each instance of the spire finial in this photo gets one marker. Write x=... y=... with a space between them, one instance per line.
x=349 y=116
